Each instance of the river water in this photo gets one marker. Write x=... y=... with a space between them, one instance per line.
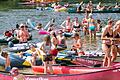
x=8 y=20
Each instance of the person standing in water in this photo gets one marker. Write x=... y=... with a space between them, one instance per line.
x=54 y=44
x=47 y=58
x=85 y=24
x=106 y=43
x=68 y=25
x=76 y=25
x=92 y=26
x=116 y=41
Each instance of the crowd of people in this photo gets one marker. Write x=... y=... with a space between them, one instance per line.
x=111 y=42
x=90 y=6
x=48 y=48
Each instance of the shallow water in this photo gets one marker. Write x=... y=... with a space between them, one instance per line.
x=10 y=18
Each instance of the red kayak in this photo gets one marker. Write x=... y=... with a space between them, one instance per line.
x=109 y=74
x=76 y=70
x=67 y=69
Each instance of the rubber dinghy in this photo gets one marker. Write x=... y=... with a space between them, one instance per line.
x=17 y=61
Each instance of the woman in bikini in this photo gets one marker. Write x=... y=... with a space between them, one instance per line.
x=116 y=41
x=85 y=25
x=106 y=43
x=92 y=26
x=54 y=43
x=47 y=57
x=68 y=25
x=76 y=25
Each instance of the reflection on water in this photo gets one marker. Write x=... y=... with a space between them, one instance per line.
x=10 y=18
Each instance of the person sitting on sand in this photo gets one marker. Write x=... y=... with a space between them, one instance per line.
x=7 y=61
x=16 y=75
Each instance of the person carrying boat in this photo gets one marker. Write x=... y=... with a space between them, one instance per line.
x=77 y=44
x=23 y=34
x=76 y=25
x=14 y=72
x=92 y=26
x=7 y=61
x=85 y=24
x=54 y=43
x=106 y=37
x=68 y=25
x=47 y=57
x=116 y=41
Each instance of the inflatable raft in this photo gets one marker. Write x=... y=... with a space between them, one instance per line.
x=17 y=61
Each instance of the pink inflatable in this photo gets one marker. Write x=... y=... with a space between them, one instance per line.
x=43 y=32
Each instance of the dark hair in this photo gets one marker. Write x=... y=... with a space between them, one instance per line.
x=54 y=35
x=4 y=54
x=98 y=21
x=17 y=26
x=76 y=35
x=26 y=26
x=21 y=26
x=51 y=25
